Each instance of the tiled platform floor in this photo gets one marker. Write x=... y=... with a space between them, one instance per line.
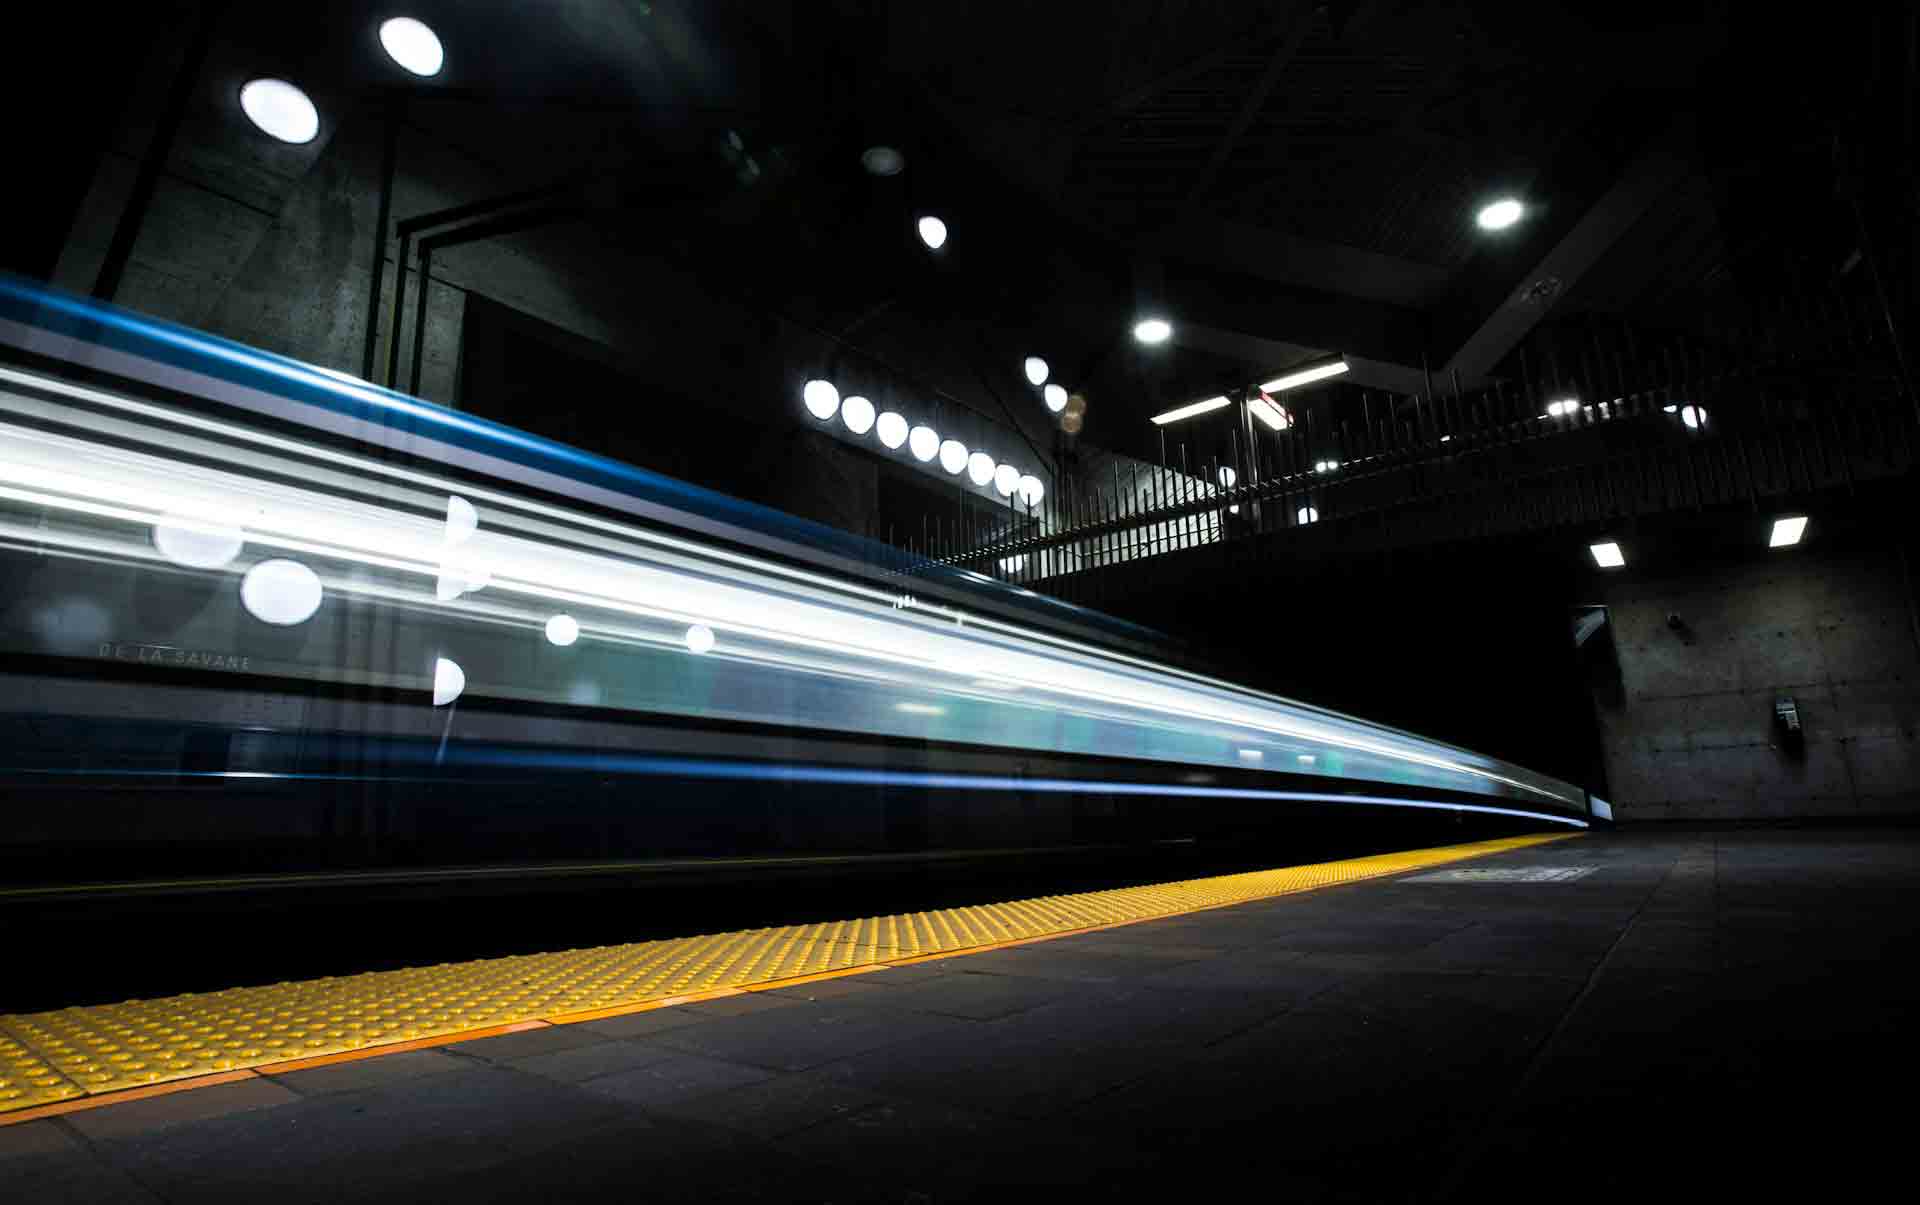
x=1715 y=1012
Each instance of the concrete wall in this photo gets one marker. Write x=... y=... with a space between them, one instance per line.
x=1693 y=736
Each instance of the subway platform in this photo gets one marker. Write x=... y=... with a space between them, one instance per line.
x=1614 y=1016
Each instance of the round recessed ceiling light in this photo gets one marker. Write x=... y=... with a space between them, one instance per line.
x=1031 y=490
x=448 y=681
x=413 y=45
x=281 y=592
x=933 y=232
x=882 y=161
x=699 y=638
x=892 y=429
x=280 y=110
x=857 y=413
x=1056 y=397
x=924 y=443
x=1153 y=330
x=1228 y=476
x=1500 y=214
x=822 y=399
x=563 y=630
x=197 y=543
x=1036 y=370
x=980 y=468
x=1006 y=479
x=953 y=456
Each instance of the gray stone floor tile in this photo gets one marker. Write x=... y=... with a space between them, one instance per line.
x=679 y=1078
x=775 y=1107
x=590 y=1062
x=137 y=1117
x=794 y=1039
x=652 y=1021
x=527 y=1042
x=371 y=1072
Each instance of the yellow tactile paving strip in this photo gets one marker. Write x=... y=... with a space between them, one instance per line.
x=50 y=1057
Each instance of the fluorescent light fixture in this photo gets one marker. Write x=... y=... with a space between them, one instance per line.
x=1013 y=564
x=1251 y=755
x=1305 y=759
x=1006 y=479
x=1273 y=416
x=980 y=468
x=1306 y=515
x=1056 y=397
x=919 y=709
x=1787 y=531
x=281 y=110
x=448 y=681
x=1306 y=376
x=563 y=630
x=196 y=543
x=281 y=592
x=953 y=456
x=1562 y=407
x=1607 y=555
x=1500 y=214
x=822 y=399
x=1175 y=415
x=1032 y=489
x=933 y=232
x=1036 y=370
x=413 y=45
x=924 y=443
x=857 y=413
x=699 y=638
x=892 y=429
x=1153 y=330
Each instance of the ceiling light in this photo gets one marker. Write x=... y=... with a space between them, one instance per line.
x=920 y=709
x=462 y=520
x=822 y=399
x=1305 y=759
x=1006 y=479
x=1251 y=754
x=1693 y=416
x=1013 y=564
x=1056 y=397
x=857 y=413
x=1153 y=330
x=1500 y=214
x=448 y=681
x=1228 y=476
x=1175 y=415
x=953 y=455
x=196 y=543
x=412 y=45
x=1564 y=406
x=1273 y=416
x=924 y=443
x=980 y=468
x=1306 y=376
x=280 y=110
x=1325 y=466
x=1446 y=439
x=699 y=638
x=1032 y=490
x=563 y=630
x=280 y=592
x=892 y=429
x=1036 y=370
x=1787 y=531
x=882 y=161
x=1306 y=515
x=1607 y=555
x=1670 y=409
x=933 y=232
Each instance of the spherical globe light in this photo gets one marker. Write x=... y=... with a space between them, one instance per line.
x=822 y=399
x=699 y=638
x=280 y=110
x=1032 y=489
x=281 y=592
x=563 y=630
x=1056 y=397
x=1693 y=416
x=953 y=456
x=924 y=443
x=1500 y=214
x=1006 y=479
x=1153 y=330
x=1036 y=370
x=882 y=161
x=196 y=543
x=413 y=45
x=448 y=681
x=933 y=232
x=1228 y=476
x=857 y=413
x=980 y=468
x=892 y=429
